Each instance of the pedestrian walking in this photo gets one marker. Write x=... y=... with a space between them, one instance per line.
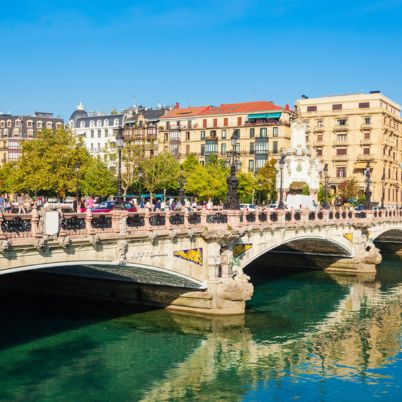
x=21 y=206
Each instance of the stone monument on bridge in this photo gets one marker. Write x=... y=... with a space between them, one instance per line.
x=300 y=170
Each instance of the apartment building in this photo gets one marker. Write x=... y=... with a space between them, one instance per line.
x=348 y=131
x=206 y=130
x=97 y=130
x=15 y=129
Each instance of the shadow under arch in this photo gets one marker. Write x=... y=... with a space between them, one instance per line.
x=389 y=241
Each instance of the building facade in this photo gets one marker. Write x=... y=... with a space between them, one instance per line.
x=348 y=131
x=264 y=130
x=16 y=129
x=97 y=131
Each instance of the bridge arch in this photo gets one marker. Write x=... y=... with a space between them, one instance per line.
x=140 y=273
x=307 y=245
x=387 y=233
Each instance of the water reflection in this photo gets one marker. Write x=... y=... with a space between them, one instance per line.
x=304 y=335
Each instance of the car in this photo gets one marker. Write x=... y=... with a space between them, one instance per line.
x=247 y=207
x=108 y=206
x=359 y=207
x=273 y=206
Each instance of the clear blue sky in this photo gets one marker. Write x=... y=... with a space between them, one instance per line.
x=104 y=52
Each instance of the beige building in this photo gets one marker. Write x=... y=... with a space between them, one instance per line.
x=206 y=130
x=347 y=131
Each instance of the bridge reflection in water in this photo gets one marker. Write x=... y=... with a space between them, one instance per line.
x=335 y=333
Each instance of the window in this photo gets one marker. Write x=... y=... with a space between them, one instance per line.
x=105 y=123
x=204 y=123
x=364 y=105
x=274 y=131
x=366 y=151
x=29 y=123
x=223 y=149
x=202 y=135
x=239 y=121
x=342 y=137
x=91 y=123
x=320 y=123
x=319 y=151
x=17 y=123
x=319 y=137
x=337 y=106
x=215 y=122
x=2 y=124
x=106 y=132
x=92 y=134
x=367 y=120
x=223 y=134
x=251 y=165
x=202 y=149
x=252 y=131
x=251 y=147
x=92 y=146
x=367 y=135
x=341 y=172
x=8 y=123
x=263 y=132
x=166 y=138
x=99 y=133
x=187 y=149
x=342 y=122
x=99 y=146
x=187 y=135
x=116 y=122
x=306 y=123
x=261 y=147
x=341 y=151
x=274 y=147
x=82 y=124
x=99 y=123
x=311 y=108
x=212 y=134
x=225 y=121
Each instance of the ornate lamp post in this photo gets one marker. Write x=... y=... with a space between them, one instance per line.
x=119 y=144
x=326 y=186
x=232 y=199
x=281 y=167
x=77 y=190
x=367 y=191
x=181 y=183
x=383 y=189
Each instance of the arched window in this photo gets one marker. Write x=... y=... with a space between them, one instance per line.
x=82 y=124
x=116 y=122
x=105 y=123
x=99 y=123
x=92 y=123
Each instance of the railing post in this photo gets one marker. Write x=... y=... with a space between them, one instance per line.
x=34 y=220
x=167 y=219
x=234 y=218
x=186 y=224
x=281 y=216
x=88 y=221
x=204 y=215
x=147 y=223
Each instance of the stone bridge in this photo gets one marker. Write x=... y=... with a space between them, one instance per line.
x=194 y=261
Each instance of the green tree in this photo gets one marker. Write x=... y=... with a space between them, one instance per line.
x=246 y=187
x=348 y=189
x=206 y=182
x=47 y=163
x=98 y=179
x=266 y=176
x=306 y=190
x=321 y=195
x=161 y=171
x=6 y=175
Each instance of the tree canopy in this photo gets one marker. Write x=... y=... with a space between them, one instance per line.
x=348 y=190
x=266 y=176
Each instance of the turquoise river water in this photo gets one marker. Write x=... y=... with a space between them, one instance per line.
x=307 y=336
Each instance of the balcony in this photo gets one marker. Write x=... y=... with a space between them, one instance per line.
x=319 y=129
x=365 y=157
x=366 y=141
x=261 y=151
x=174 y=140
x=340 y=142
x=318 y=143
x=340 y=158
x=341 y=128
x=211 y=138
x=366 y=127
x=264 y=123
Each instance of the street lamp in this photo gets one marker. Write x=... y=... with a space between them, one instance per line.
x=232 y=198
x=181 y=183
x=77 y=190
x=281 y=167
x=119 y=144
x=326 y=186
x=259 y=192
x=367 y=191
x=383 y=189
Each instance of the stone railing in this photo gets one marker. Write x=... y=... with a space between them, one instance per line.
x=123 y=222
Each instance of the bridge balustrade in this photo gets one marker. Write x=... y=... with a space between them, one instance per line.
x=176 y=218
x=194 y=218
x=262 y=217
x=250 y=217
x=273 y=216
x=157 y=219
x=101 y=221
x=73 y=222
x=17 y=225
x=217 y=218
x=136 y=220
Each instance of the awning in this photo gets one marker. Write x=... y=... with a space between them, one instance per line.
x=360 y=165
x=276 y=115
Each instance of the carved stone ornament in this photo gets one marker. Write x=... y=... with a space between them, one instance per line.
x=4 y=245
x=236 y=290
x=372 y=255
x=123 y=225
x=221 y=237
x=94 y=239
x=64 y=241
x=39 y=243
x=122 y=247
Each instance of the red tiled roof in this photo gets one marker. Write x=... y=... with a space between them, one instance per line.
x=244 y=107
x=185 y=111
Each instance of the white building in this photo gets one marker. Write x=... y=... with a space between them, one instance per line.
x=98 y=131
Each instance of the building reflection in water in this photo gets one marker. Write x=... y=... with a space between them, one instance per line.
x=361 y=333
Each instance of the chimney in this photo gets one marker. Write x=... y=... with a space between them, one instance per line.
x=177 y=105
